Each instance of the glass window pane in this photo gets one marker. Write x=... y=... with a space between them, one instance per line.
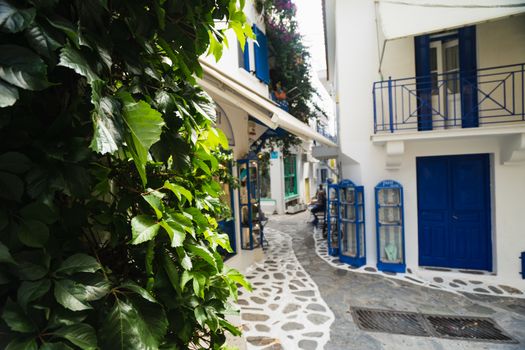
x=451 y=58
x=433 y=59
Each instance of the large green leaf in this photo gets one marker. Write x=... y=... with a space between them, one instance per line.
x=41 y=41
x=32 y=265
x=175 y=231
x=107 y=121
x=16 y=319
x=30 y=291
x=81 y=334
x=71 y=295
x=55 y=346
x=11 y=187
x=72 y=58
x=78 y=263
x=39 y=211
x=12 y=19
x=23 y=68
x=178 y=191
x=5 y=256
x=138 y=289
x=143 y=228
x=133 y=324
x=154 y=199
x=8 y=94
x=14 y=162
x=204 y=253
x=33 y=233
x=22 y=344
x=144 y=128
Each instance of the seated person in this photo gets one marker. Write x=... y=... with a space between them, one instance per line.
x=320 y=204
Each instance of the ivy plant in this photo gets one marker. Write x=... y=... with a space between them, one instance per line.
x=108 y=161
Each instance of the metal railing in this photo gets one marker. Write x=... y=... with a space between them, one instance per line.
x=321 y=130
x=450 y=100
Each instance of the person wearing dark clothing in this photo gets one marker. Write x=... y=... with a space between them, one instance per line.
x=320 y=205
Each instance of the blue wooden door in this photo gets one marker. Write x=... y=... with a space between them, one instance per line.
x=454 y=211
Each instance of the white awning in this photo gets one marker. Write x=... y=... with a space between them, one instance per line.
x=258 y=106
x=402 y=18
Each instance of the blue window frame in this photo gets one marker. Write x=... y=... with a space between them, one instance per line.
x=332 y=219
x=351 y=224
x=244 y=56
x=260 y=48
x=467 y=78
x=390 y=226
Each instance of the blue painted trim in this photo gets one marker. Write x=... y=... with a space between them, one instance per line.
x=333 y=251
x=522 y=257
x=454 y=254
x=423 y=82
x=384 y=265
x=444 y=38
x=228 y=225
x=359 y=259
x=468 y=77
x=246 y=54
x=249 y=203
x=510 y=103
x=398 y=268
x=262 y=68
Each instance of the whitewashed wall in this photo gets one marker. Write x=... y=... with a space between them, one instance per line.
x=357 y=64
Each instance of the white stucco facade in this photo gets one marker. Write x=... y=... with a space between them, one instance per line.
x=354 y=54
x=244 y=113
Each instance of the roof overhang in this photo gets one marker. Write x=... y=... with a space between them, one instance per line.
x=403 y=18
x=260 y=107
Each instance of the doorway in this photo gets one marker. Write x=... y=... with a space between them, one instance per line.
x=453 y=194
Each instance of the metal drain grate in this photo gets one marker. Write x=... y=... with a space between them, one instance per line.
x=468 y=328
x=389 y=322
x=426 y=325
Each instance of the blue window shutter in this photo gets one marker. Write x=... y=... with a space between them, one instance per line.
x=423 y=82
x=468 y=77
x=246 y=54
x=262 y=69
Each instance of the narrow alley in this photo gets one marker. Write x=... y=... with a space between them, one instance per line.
x=302 y=301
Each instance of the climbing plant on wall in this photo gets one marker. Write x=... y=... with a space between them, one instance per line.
x=108 y=232
x=289 y=62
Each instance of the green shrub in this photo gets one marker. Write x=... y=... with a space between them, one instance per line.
x=108 y=232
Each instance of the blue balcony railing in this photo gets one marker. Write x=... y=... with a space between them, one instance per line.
x=450 y=100
x=321 y=130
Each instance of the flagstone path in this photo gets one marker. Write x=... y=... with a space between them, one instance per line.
x=434 y=278
x=303 y=300
x=285 y=309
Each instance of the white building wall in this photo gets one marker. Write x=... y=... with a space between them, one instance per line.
x=229 y=62
x=357 y=57
x=238 y=120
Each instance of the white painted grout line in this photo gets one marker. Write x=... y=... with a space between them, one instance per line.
x=321 y=249
x=285 y=304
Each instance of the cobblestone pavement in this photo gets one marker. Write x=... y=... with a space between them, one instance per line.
x=341 y=289
x=285 y=309
x=435 y=278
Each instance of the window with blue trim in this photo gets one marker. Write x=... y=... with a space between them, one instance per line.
x=244 y=55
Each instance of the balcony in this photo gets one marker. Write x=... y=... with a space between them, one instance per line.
x=454 y=100
x=322 y=130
